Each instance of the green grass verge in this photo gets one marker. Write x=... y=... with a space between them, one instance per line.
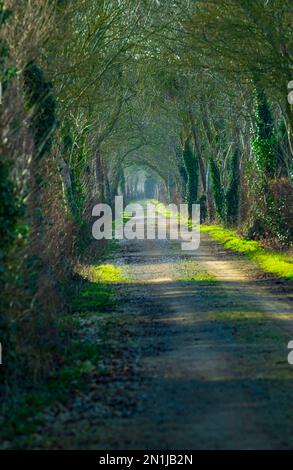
x=97 y=292
x=105 y=273
x=21 y=413
x=281 y=265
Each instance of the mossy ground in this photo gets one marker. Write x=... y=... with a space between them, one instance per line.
x=279 y=264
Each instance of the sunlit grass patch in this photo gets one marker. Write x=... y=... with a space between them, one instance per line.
x=271 y=262
x=275 y=263
x=126 y=216
x=97 y=294
x=230 y=239
x=105 y=273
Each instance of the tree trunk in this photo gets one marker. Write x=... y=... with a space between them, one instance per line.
x=198 y=154
x=100 y=174
x=66 y=184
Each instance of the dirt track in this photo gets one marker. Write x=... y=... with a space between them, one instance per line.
x=192 y=364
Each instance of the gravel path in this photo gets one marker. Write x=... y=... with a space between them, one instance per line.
x=191 y=364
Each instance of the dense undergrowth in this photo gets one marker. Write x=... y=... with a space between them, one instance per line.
x=23 y=402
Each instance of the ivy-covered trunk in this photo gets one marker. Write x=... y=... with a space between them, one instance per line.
x=217 y=189
x=191 y=168
x=233 y=189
